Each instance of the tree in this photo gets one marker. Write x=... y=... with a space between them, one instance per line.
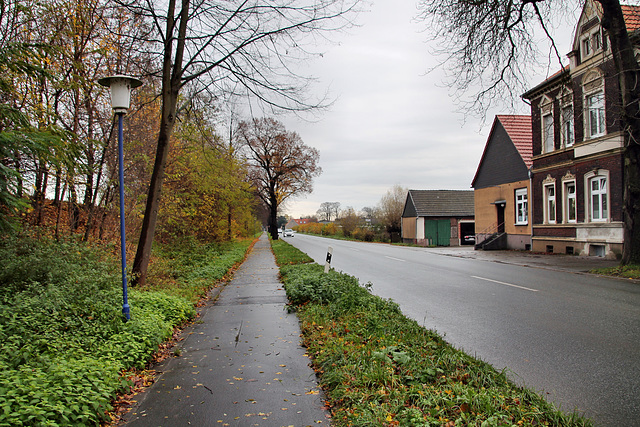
x=489 y=44
x=328 y=210
x=227 y=49
x=390 y=208
x=281 y=165
x=349 y=220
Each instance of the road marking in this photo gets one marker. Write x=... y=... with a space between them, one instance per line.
x=506 y=284
x=395 y=259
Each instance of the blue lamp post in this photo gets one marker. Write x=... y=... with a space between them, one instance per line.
x=120 y=88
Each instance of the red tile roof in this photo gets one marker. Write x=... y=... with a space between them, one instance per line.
x=631 y=17
x=519 y=130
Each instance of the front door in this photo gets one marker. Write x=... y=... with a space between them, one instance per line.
x=500 y=208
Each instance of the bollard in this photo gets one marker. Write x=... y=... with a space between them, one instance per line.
x=327 y=265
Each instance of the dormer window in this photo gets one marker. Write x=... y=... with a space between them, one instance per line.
x=586 y=47
x=591 y=43
x=596 y=41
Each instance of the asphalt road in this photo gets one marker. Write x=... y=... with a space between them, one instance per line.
x=575 y=338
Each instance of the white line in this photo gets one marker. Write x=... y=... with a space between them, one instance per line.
x=506 y=284
x=395 y=259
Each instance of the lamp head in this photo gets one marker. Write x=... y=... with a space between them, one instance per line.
x=120 y=87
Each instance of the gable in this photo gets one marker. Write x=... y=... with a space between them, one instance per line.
x=409 y=207
x=502 y=161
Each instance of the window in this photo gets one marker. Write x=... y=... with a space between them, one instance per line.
x=522 y=207
x=570 y=206
x=595 y=114
x=586 y=47
x=550 y=203
x=567 y=126
x=591 y=43
x=547 y=132
x=596 y=41
x=598 y=198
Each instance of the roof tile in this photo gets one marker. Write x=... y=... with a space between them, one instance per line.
x=631 y=17
x=519 y=130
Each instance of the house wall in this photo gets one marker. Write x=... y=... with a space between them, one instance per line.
x=578 y=162
x=414 y=230
x=518 y=236
x=409 y=229
x=583 y=237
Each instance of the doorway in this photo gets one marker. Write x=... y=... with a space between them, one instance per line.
x=500 y=210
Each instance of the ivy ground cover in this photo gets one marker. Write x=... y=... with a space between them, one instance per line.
x=64 y=349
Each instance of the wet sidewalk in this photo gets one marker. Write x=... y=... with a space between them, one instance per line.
x=241 y=362
x=558 y=262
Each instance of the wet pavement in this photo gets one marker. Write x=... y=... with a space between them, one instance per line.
x=560 y=262
x=240 y=363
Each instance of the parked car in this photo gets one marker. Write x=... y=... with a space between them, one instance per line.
x=470 y=239
x=287 y=233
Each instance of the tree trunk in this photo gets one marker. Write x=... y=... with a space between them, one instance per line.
x=628 y=73
x=143 y=253
x=273 y=214
x=171 y=82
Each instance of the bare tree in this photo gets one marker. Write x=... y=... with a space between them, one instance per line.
x=391 y=206
x=328 y=210
x=227 y=48
x=489 y=44
x=281 y=165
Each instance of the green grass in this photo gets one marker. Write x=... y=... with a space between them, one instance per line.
x=287 y=254
x=64 y=348
x=379 y=368
x=626 y=271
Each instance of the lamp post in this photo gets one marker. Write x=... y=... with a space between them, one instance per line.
x=120 y=88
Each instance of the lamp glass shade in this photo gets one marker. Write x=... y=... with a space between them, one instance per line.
x=120 y=91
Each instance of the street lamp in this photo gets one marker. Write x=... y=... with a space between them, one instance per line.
x=120 y=88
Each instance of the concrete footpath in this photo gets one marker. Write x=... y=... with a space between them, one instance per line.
x=241 y=362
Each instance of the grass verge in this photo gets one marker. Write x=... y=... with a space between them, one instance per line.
x=379 y=368
x=626 y=271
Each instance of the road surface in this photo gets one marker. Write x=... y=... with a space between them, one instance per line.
x=575 y=338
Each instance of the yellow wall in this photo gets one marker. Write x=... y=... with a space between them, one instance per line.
x=486 y=211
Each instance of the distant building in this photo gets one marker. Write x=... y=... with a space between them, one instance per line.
x=437 y=217
x=295 y=222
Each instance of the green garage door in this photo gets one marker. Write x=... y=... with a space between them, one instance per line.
x=438 y=231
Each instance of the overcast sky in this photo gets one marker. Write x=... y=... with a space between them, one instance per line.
x=391 y=122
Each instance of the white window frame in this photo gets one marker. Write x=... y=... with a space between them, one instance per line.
x=568 y=132
x=585 y=47
x=567 y=198
x=522 y=206
x=548 y=137
x=603 y=195
x=550 y=205
x=596 y=111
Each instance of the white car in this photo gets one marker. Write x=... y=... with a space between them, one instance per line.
x=287 y=233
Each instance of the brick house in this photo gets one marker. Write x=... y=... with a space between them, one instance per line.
x=577 y=167
x=437 y=217
x=501 y=185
